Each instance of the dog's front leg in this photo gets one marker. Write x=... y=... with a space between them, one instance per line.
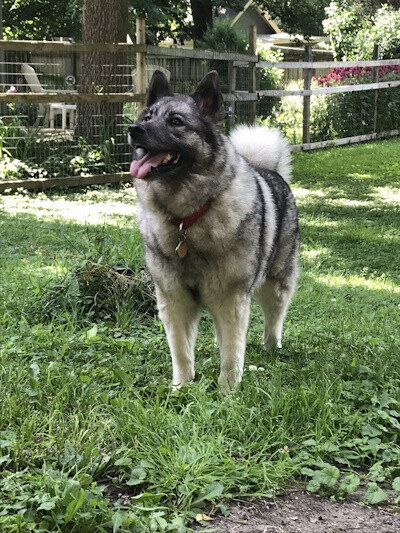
x=231 y=316
x=180 y=316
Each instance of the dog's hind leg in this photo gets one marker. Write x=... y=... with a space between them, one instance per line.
x=274 y=298
x=180 y=315
x=231 y=317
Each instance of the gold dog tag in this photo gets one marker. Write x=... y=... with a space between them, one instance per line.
x=181 y=249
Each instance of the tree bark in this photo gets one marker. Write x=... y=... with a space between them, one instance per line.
x=202 y=17
x=104 y=21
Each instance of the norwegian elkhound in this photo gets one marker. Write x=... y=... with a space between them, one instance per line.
x=219 y=223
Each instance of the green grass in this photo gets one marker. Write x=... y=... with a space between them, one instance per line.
x=91 y=438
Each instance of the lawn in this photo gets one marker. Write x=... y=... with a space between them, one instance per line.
x=91 y=438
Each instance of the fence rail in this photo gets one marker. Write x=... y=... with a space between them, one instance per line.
x=118 y=90
x=71 y=98
x=65 y=47
x=333 y=90
x=328 y=64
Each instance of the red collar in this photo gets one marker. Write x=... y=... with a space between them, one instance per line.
x=191 y=219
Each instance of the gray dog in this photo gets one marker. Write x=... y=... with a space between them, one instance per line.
x=219 y=223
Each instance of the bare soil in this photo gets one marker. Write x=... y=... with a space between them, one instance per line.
x=301 y=512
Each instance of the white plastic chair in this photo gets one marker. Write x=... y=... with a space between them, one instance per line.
x=47 y=111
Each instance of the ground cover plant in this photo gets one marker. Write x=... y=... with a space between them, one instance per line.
x=91 y=439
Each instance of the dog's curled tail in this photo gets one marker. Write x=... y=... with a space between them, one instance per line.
x=263 y=148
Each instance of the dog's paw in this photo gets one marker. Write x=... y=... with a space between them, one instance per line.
x=177 y=385
x=226 y=385
x=271 y=342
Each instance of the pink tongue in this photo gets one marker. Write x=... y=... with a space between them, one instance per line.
x=140 y=168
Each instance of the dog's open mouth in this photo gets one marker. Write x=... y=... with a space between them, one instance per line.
x=154 y=162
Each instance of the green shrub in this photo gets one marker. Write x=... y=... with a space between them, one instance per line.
x=321 y=125
x=223 y=37
x=268 y=78
x=15 y=169
x=27 y=153
x=350 y=114
x=288 y=116
x=354 y=27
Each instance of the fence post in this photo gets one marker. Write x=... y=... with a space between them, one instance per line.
x=375 y=79
x=307 y=74
x=2 y=59
x=141 y=79
x=252 y=71
x=231 y=90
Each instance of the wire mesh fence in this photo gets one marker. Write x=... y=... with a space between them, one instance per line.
x=65 y=108
x=64 y=136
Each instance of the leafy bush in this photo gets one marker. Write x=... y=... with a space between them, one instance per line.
x=269 y=78
x=348 y=114
x=340 y=115
x=223 y=38
x=354 y=27
x=355 y=75
x=28 y=154
x=15 y=169
x=288 y=116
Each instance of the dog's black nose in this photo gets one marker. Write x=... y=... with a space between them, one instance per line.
x=136 y=129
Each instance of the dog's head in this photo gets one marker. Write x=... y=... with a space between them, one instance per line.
x=174 y=134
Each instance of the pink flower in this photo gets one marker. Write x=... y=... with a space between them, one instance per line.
x=12 y=89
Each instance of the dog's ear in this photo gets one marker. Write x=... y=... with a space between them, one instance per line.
x=158 y=87
x=208 y=97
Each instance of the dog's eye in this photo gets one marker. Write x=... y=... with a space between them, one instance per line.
x=176 y=121
x=147 y=118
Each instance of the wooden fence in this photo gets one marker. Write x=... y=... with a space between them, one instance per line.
x=195 y=62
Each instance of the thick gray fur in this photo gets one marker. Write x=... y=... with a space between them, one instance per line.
x=245 y=245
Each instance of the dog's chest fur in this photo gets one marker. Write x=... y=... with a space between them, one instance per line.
x=223 y=244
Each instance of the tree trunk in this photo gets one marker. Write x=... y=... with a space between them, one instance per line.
x=104 y=21
x=202 y=17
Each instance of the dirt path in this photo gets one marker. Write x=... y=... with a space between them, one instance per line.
x=300 y=512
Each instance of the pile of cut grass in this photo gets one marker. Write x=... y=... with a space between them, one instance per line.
x=101 y=292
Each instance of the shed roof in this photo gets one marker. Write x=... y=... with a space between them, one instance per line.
x=255 y=11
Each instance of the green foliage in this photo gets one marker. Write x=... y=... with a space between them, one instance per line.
x=354 y=28
x=42 y=19
x=163 y=18
x=268 y=78
x=223 y=38
x=287 y=115
x=374 y=494
x=348 y=114
x=297 y=16
x=169 y=19
x=339 y=115
x=101 y=292
x=52 y=498
x=28 y=154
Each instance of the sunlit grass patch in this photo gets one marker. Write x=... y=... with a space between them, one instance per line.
x=371 y=283
x=88 y=208
x=388 y=194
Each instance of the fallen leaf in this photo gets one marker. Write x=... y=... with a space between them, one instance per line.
x=202 y=516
